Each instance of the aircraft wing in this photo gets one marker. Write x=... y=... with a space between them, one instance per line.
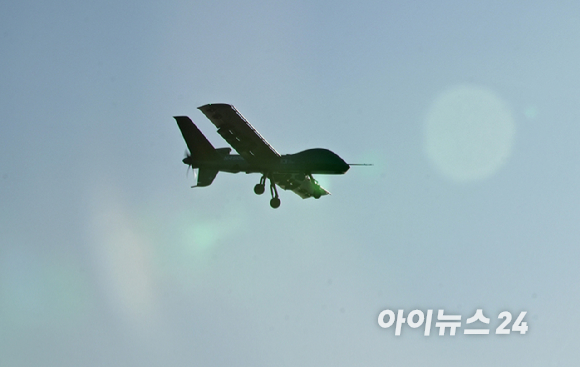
x=238 y=132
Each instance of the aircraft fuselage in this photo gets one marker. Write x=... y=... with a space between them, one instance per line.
x=308 y=162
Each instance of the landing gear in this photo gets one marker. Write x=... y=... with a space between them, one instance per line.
x=275 y=201
x=260 y=187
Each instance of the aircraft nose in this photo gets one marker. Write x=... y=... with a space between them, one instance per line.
x=341 y=165
x=345 y=167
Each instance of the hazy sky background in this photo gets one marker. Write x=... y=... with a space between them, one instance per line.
x=468 y=111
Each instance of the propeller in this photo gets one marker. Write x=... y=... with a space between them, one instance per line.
x=187 y=160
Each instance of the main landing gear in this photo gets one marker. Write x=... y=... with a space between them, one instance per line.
x=275 y=201
x=261 y=187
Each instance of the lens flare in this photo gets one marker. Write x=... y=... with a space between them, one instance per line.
x=469 y=133
x=123 y=257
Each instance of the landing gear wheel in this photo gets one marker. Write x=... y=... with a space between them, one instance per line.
x=316 y=195
x=275 y=202
x=259 y=189
x=261 y=186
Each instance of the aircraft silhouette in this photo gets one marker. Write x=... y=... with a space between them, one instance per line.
x=290 y=171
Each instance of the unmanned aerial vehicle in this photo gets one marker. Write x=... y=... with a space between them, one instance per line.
x=290 y=171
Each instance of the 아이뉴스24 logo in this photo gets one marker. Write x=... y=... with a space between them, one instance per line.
x=417 y=318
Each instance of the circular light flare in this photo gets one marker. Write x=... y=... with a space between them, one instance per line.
x=469 y=133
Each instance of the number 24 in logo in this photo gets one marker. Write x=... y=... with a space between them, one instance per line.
x=518 y=325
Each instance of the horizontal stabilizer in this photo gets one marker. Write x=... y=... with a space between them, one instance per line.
x=198 y=145
x=206 y=176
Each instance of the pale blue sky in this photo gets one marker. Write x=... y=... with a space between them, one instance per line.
x=107 y=257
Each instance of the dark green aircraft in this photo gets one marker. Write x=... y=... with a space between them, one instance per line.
x=290 y=171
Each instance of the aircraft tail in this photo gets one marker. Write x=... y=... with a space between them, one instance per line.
x=199 y=147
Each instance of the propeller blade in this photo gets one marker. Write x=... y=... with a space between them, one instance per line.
x=187 y=159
